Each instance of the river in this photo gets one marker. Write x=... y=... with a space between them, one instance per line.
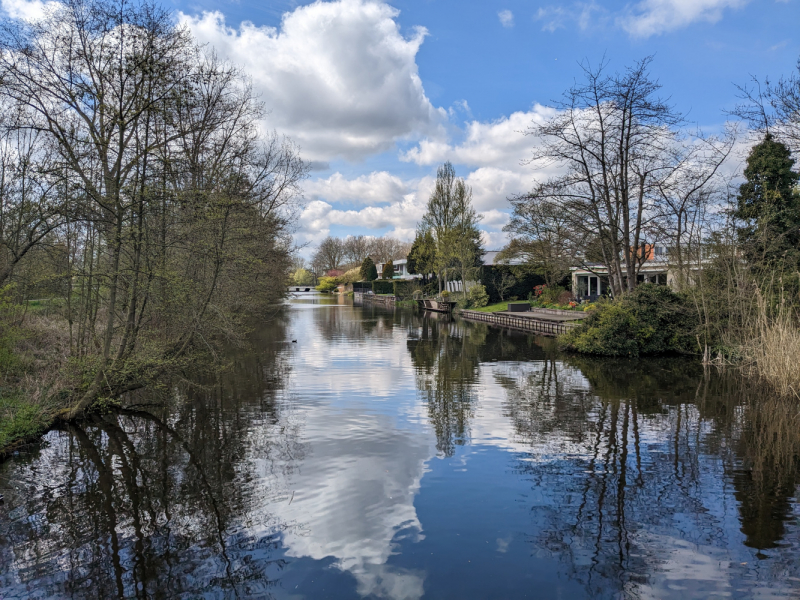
x=406 y=456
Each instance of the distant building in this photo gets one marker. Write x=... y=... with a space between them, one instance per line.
x=592 y=281
x=400 y=269
x=334 y=273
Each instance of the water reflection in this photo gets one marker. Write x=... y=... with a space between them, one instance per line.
x=389 y=454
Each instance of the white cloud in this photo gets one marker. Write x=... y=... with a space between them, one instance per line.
x=499 y=143
x=26 y=10
x=557 y=16
x=338 y=77
x=654 y=17
x=376 y=188
x=506 y=18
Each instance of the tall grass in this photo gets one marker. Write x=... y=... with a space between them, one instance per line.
x=773 y=351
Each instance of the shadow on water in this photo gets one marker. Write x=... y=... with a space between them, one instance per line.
x=147 y=504
x=648 y=479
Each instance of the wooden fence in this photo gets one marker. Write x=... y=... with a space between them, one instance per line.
x=539 y=326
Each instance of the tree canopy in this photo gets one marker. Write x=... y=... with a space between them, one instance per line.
x=769 y=205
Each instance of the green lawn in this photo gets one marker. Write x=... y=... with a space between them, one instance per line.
x=500 y=306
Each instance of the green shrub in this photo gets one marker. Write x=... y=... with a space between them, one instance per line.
x=381 y=286
x=404 y=289
x=650 y=320
x=326 y=284
x=19 y=420
x=478 y=296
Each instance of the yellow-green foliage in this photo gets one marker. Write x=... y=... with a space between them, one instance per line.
x=350 y=276
x=303 y=277
x=478 y=297
x=327 y=284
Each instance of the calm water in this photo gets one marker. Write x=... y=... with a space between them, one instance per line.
x=402 y=456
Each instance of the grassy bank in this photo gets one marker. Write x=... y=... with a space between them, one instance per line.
x=21 y=421
x=499 y=307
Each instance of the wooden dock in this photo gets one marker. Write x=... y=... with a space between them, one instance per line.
x=531 y=324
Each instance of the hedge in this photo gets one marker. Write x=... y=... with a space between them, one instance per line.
x=404 y=289
x=383 y=286
x=361 y=286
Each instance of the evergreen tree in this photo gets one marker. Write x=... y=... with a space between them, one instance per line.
x=422 y=256
x=368 y=270
x=388 y=270
x=769 y=206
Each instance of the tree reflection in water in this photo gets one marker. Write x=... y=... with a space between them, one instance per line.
x=647 y=476
x=633 y=458
x=148 y=504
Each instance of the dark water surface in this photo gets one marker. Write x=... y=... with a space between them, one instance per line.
x=406 y=456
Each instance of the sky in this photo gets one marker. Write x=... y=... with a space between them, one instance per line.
x=379 y=94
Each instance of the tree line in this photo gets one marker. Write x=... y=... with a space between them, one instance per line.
x=628 y=177
x=137 y=193
x=335 y=253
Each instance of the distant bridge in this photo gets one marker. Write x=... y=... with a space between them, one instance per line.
x=301 y=288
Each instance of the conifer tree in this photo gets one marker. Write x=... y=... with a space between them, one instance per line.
x=368 y=270
x=388 y=270
x=769 y=206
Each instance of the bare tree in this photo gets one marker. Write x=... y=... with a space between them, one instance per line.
x=383 y=249
x=542 y=237
x=688 y=198
x=773 y=108
x=329 y=255
x=611 y=139
x=178 y=205
x=356 y=249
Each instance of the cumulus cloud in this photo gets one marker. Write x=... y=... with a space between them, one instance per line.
x=654 y=17
x=499 y=143
x=506 y=18
x=338 y=77
x=375 y=188
x=26 y=10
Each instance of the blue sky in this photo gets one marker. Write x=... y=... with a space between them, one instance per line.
x=377 y=94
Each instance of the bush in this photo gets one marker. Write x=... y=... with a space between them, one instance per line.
x=445 y=295
x=650 y=320
x=350 y=276
x=326 y=284
x=478 y=296
x=362 y=286
x=381 y=286
x=404 y=289
x=417 y=294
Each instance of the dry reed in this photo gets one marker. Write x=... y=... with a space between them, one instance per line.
x=773 y=353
